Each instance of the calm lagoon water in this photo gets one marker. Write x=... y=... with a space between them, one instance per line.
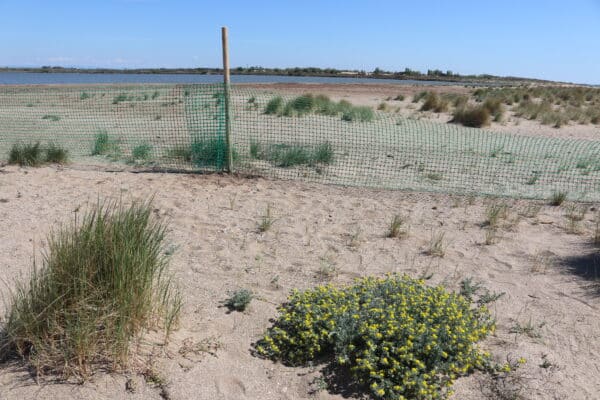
x=37 y=78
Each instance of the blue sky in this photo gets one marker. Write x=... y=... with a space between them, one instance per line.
x=557 y=40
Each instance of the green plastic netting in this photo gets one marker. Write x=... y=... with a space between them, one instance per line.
x=291 y=137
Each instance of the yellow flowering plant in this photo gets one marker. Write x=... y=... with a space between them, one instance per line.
x=400 y=338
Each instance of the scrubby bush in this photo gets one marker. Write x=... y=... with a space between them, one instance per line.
x=398 y=337
x=474 y=117
x=103 y=280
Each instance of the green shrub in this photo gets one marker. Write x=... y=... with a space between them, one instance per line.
x=142 y=151
x=474 y=117
x=103 y=281
x=400 y=97
x=84 y=96
x=398 y=337
x=29 y=155
x=56 y=154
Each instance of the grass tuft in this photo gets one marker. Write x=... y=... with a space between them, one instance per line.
x=56 y=154
x=397 y=227
x=474 y=117
x=141 y=152
x=103 y=280
x=25 y=155
x=558 y=198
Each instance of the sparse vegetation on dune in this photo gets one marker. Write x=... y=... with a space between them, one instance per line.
x=34 y=154
x=319 y=105
x=290 y=155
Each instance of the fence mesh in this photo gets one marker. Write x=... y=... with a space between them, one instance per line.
x=292 y=137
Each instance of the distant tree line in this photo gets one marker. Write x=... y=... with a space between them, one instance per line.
x=407 y=73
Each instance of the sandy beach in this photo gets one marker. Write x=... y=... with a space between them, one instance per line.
x=544 y=265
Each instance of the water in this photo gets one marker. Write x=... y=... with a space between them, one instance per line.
x=38 y=78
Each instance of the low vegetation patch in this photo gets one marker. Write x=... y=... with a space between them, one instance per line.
x=239 y=300
x=399 y=338
x=104 y=144
x=319 y=105
x=103 y=279
x=474 y=117
x=289 y=155
x=28 y=155
x=34 y=154
x=50 y=117
x=141 y=152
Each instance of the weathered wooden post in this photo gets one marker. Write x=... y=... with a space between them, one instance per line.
x=226 y=82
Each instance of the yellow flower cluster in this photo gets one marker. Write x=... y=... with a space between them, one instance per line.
x=399 y=337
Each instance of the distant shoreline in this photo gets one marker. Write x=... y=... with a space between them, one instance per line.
x=306 y=72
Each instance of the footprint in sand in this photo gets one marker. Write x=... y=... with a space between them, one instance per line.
x=230 y=388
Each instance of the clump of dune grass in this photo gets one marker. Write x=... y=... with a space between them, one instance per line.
x=267 y=220
x=56 y=154
x=103 y=280
x=102 y=143
x=433 y=102
x=274 y=106
x=141 y=151
x=437 y=245
x=286 y=155
x=320 y=105
x=495 y=108
x=25 y=154
x=474 y=117
x=558 y=198
x=397 y=228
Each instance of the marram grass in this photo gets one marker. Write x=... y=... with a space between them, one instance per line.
x=103 y=280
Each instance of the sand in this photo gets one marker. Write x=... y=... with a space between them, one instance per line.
x=543 y=270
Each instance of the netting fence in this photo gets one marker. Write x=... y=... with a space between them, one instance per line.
x=307 y=137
